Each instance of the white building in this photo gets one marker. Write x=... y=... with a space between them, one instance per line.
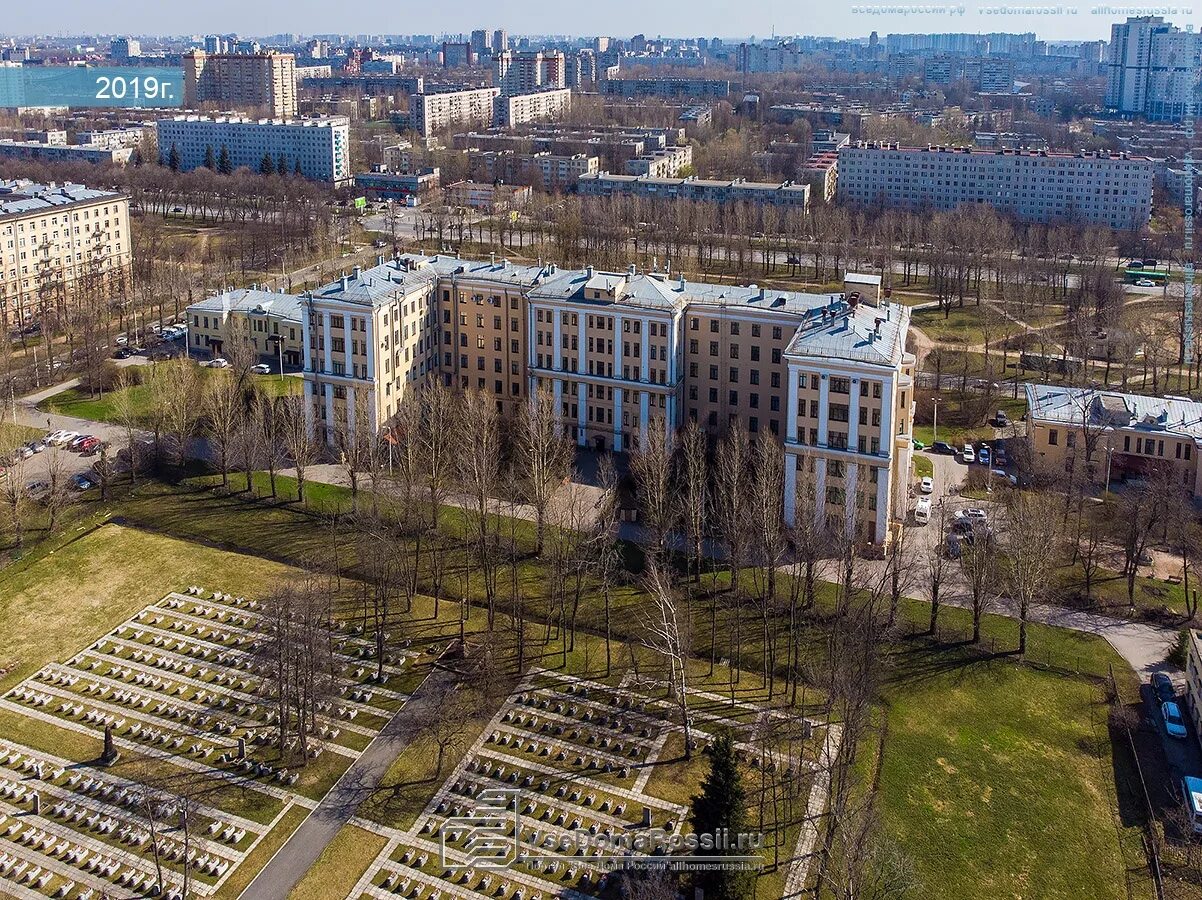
x=543 y=106
x=320 y=147
x=430 y=113
x=1111 y=189
x=1153 y=68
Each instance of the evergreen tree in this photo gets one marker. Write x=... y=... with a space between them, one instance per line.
x=224 y=166
x=266 y=166
x=720 y=810
x=173 y=159
x=281 y=165
x=296 y=170
x=137 y=157
x=210 y=159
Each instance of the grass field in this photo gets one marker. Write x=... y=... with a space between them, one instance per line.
x=1109 y=592
x=13 y=435
x=81 y=404
x=341 y=864
x=955 y=431
x=997 y=781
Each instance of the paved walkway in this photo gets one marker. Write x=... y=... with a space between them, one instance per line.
x=364 y=777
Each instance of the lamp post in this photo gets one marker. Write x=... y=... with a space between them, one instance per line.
x=1109 y=458
x=935 y=422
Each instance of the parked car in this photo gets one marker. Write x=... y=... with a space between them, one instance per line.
x=1192 y=790
x=919 y=445
x=927 y=485
x=1000 y=420
x=58 y=438
x=82 y=482
x=1174 y=725
x=968 y=454
x=34 y=488
x=943 y=447
x=985 y=456
x=77 y=442
x=122 y=353
x=261 y=369
x=25 y=452
x=1163 y=686
x=953 y=546
x=38 y=446
x=1001 y=474
x=922 y=510
x=89 y=443
x=218 y=363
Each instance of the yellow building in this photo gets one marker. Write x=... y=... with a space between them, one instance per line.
x=626 y=352
x=58 y=241
x=270 y=321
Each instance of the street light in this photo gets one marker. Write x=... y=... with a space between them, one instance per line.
x=935 y=423
x=1109 y=458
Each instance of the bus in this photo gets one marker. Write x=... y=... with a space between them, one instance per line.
x=1158 y=277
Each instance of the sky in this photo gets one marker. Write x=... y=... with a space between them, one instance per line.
x=619 y=18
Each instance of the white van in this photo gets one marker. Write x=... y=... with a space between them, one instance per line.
x=922 y=510
x=1192 y=786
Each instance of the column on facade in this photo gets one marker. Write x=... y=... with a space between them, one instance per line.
x=306 y=331
x=348 y=344
x=644 y=417
x=853 y=416
x=329 y=392
x=882 y=504
x=618 y=420
x=581 y=410
x=645 y=351
x=824 y=386
x=887 y=401
x=850 y=483
x=369 y=344
x=557 y=339
x=791 y=405
x=310 y=413
x=328 y=359
x=350 y=409
x=819 y=492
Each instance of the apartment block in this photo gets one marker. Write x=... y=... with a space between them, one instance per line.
x=542 y=106
x=546 y=170
x=114 y=138
x=821 y=173
x=665 y=163
x=1108 y=189
x=56 y=241
x=528 y=71
x=1116 y=436
x=1153 y=68
x=270 y=321
x=786 y=193
x=36 y=150
x=473 y=107
x=319 y=147
x=693 y=88
x=626 y=352
x=250 y=82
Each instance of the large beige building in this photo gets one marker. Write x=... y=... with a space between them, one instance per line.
x=249 y=82
x=627 y=352
x=271 y=322
x=1115 y=435
x=58 y=241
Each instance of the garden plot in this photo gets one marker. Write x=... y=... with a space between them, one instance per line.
x=175 y=687
x=570 y=760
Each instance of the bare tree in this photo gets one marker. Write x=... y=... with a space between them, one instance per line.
x=297 y=439
x=544 y=456
x=666 y=633
x=268 y=420
x=224 y=413
x=938 y=565
x=978 y=562
x=57 y=494
x=126 y=414
x=479 y=466
x=1032 y=548
x=695 y=490
x=437 y=437
x=651 y=465
x=16 y=498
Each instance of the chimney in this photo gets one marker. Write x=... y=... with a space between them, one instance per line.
x=355 y=273
x=632 y=270
x=682 y=281
x=588 y=271
x=380 y=260
x=492 y=259
x=344 y=282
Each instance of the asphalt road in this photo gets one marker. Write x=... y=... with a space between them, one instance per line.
x=365 y=776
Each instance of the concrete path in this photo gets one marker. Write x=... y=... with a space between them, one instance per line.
x=282 y=872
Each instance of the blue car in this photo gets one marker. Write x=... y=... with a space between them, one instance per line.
x=984 y=457
x=1174 y=725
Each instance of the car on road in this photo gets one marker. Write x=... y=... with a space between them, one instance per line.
x=1145 y=282
x=261 y=369
x=1001 y=420
x=922 y=510
x=1162 y=684
x=943 y=447
x=218 y=363
x=1174 y=725
x=967 y=454
x=927 y=485
x=985 y=456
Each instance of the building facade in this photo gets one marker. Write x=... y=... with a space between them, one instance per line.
x=1109 y=189
x=250 y=82
x=785 y=193
x=318 y=147
x=1153 y=68
x=271 y=322
x=666 y=163
x=430 y=113
x=117 y=156
x=541 y=106
x=696 y=88
x=57 y=241
x=626 y=352
x=528 y=71
x=1116 y=435
x=547 y=170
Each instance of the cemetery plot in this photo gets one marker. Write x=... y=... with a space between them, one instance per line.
x=568 y=764
x=176 y=686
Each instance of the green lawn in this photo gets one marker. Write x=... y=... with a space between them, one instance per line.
x=952 y=427
x=997 y=782
x=1108 y=592
x=13 y=435
x=81 y=404
x=340 y=865
x=923 y=467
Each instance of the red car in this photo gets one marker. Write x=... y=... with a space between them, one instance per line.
x=89 y=445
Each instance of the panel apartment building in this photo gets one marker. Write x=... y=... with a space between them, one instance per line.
x=55 y=240
x=430 y=113
x=1152 y=69
x=1109 y=189
x=511 y=110
x=249 y=82
x=320 y=146
x=626 y=352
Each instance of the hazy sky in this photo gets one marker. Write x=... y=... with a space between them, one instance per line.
x=619 y=18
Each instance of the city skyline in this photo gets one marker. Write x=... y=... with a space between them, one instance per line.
x=758 y=18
